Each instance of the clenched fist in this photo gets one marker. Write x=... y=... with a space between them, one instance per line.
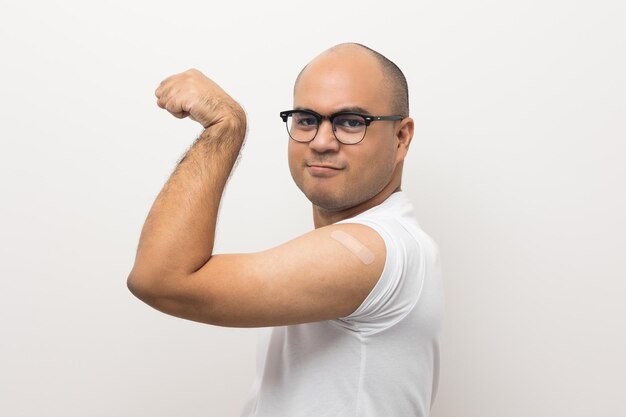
x=192 y=94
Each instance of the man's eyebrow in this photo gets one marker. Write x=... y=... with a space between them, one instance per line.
x=304 y=108
x=353 y=109
x=349 y=109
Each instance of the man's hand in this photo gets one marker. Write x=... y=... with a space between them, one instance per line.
x=192 y=94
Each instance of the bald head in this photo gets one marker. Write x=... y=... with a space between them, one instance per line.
x=394 y=82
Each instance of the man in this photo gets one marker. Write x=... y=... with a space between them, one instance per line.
x=353 y=308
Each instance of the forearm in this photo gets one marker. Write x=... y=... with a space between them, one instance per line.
x=178 y=235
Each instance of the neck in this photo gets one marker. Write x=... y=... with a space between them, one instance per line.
x=323 y=217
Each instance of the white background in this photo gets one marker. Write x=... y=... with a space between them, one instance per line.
x=517 y=170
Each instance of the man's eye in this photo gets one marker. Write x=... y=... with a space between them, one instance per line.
x=306 y=121
x=350 y=122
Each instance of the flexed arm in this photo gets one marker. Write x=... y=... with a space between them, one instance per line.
x=179 y=232
x=324 y=274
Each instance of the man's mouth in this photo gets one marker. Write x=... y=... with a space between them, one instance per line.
x=323 y=170
x=323 y=166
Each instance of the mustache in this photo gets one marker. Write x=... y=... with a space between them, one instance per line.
x=322 y=159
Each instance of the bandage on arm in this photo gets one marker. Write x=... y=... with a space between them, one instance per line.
x=353 y=245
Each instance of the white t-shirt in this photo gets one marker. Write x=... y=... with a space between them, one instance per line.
x=380 y=361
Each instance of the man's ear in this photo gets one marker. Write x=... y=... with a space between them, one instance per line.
x=404 y=135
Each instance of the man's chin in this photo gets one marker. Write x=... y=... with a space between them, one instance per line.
x=328 y=202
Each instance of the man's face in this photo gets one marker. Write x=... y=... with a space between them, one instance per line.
x=332 y=175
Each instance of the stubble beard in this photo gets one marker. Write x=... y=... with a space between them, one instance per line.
x=346 y=198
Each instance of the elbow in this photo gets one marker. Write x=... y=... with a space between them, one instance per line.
x=160 y=293
x=142 y=286
x=156 y=290
x=134 y=285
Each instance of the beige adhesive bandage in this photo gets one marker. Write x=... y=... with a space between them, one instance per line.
x=353 y=245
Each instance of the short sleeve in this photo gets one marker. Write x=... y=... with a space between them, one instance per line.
x=397 y=290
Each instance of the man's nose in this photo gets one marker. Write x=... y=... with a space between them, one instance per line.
x=325 y=139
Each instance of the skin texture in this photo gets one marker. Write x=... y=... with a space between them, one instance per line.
x=310 y=278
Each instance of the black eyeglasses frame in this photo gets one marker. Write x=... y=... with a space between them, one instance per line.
x=368 y=119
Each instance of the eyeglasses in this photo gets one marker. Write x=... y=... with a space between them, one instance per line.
x=349 y=128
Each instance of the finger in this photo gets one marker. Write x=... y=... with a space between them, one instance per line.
x=161 y=96
x=164 y=94
x=160 y=89
x=173 y=106
x=181 y=115
x=160 y=103
x=176 y=106
x=164 y=86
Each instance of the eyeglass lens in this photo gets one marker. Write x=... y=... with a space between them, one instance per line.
x=348 y=128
